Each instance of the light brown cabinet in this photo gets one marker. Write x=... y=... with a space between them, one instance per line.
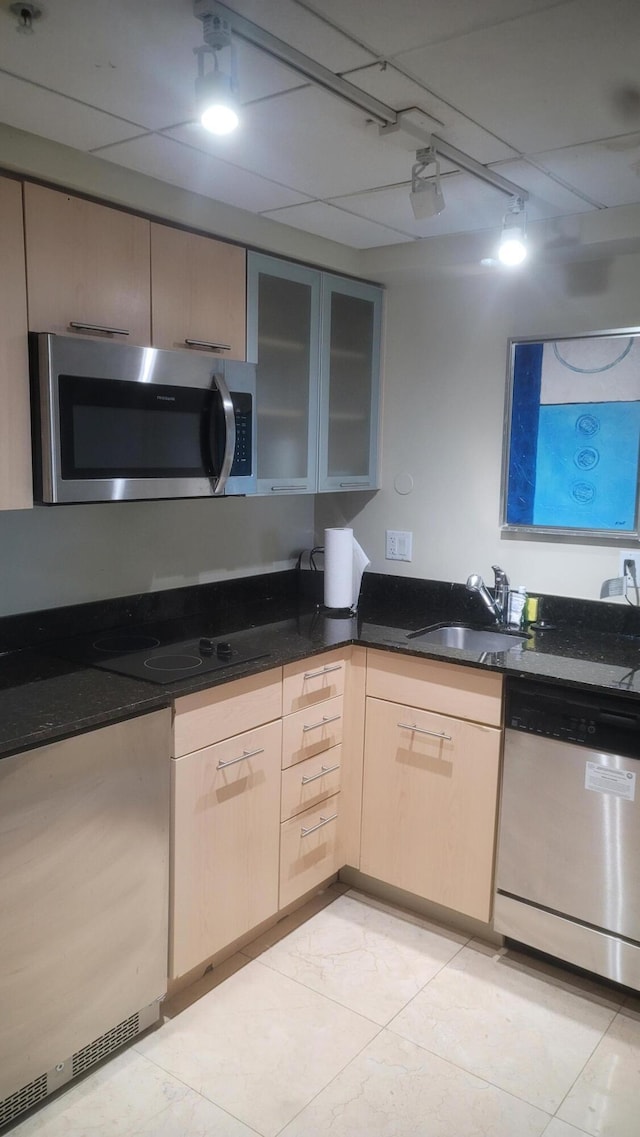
x=226 y=843
x=226 y=816
x=15 y=424
x=87 y=267
x=431 y=781
x=198 y=292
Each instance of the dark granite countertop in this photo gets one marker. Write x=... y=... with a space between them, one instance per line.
x=43 y=698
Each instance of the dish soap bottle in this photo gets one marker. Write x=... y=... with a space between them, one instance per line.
x=515 y=609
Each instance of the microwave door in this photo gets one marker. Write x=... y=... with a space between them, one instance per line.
x=225 y=404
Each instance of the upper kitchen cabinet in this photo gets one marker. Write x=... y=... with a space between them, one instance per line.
x=316 y=341
x=87 y=267
x=15 y=426
x=284 y=338
x=198 y=292
x=349 y=385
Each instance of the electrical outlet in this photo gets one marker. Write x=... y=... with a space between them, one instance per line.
x=398 y=545
x=631 y=579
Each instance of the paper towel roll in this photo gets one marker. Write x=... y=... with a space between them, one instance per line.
x=338 y=568
x=344 y=564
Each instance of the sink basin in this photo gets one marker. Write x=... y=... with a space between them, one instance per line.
x=469 y=639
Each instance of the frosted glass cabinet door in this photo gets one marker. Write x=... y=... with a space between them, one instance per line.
x=283 y=334
x=350 y=380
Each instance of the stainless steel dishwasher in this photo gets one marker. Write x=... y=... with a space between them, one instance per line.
x=84 y=871
x=568 y=872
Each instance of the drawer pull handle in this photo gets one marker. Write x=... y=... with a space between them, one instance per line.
x=323 y=722
x=421 y=730
x=208 y=345
x=323 y=671
x=323 y=770
x=97 y=329
x=323 y=821
x=243 y=757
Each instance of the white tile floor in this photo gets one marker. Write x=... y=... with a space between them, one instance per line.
x=368 y=1022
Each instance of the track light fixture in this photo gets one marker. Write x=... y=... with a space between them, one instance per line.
x=426 y=195
x=216 y=89
x=513 y=242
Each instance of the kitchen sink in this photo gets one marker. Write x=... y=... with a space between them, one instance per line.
x=469 y=639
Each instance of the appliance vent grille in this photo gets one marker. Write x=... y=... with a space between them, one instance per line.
x=106 y=1044
x=23 y=1099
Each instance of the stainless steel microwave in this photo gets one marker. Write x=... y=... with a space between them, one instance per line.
x=118 y=423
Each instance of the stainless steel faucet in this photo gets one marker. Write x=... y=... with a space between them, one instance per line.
x=496 y=604
x=501 y=591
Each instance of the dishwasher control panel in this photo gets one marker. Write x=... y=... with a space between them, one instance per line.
x=553 y=724
x=595 y=719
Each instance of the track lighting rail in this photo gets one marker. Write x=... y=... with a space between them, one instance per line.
x=389 y=120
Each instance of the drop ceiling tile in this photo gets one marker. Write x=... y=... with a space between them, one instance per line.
x=610 y=169
x=547 y=80
x=132 y=60
x=336 y=225
x=181 y=165
x=42 y=112
x=549 y=197
x=303 y=30
x=405 y=24
x=469 y=205
x=310 y=141
x=438 y=117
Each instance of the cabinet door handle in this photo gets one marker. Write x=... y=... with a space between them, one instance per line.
x=97 y=329
x=243 y=757
x=323 y=770
x=421 y=730
x=286 y=489
x=208 y=345
x=323 y=821
x=323 y=671
x=323 y=722
x=352 y=485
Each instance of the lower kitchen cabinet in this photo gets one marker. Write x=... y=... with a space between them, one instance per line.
x=270 y=799
x=430 y=788
x=226 y=843
x=309 y=849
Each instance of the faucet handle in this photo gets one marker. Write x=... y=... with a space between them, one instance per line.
x=500 y=575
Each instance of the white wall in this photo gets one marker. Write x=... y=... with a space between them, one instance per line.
x=55 y=555
x=448 y=322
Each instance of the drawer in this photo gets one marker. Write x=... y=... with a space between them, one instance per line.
x=447 y=688
x=311 y=732
x=312 y=681
x=219 y=712
x=310 y=782
x=308 y=850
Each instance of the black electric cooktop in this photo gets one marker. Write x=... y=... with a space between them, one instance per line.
x=160 y=657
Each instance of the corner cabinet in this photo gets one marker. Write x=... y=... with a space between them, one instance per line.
x=431 y=766
x=316 y=341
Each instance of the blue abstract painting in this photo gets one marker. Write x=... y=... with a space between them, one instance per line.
x=573 y=453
